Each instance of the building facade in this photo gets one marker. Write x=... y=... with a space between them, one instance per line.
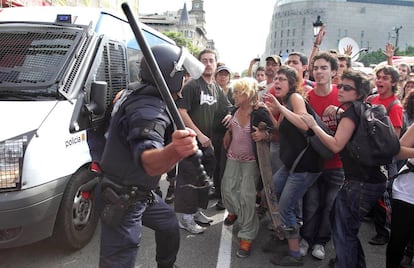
x=371 y=24
x=190 y=23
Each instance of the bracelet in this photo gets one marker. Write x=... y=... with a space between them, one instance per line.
x=315 y=45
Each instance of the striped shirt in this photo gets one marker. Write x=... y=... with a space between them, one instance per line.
x=241 y=147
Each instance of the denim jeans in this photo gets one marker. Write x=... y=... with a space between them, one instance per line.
x=317 y=204
x=290 y=188
x=275 y=160
x=353 y=202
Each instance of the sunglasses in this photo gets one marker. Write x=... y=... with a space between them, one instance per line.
x=345 y=87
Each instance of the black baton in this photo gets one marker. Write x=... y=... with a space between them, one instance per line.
x=165 y=93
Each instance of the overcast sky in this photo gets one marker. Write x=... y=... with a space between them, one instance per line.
x=238 y=28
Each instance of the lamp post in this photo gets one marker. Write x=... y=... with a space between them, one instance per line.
x=317 y=26
x=397 y=34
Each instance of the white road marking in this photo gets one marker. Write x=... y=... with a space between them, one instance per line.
x=224 y=253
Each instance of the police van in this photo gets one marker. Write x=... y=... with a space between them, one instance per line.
x=60 y=69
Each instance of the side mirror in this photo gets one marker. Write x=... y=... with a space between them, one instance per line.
x=81 y=117
x=82 y=113
x=97 y=103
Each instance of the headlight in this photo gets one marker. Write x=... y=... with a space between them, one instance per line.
x=11 y=161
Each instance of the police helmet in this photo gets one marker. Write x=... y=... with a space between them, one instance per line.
x=173 y=63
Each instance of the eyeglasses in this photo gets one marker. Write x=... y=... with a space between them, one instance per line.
x=281 y=79
x=345 y=87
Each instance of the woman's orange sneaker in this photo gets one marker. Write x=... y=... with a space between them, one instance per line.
x=244 y=250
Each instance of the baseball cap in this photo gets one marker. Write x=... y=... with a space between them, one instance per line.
x=223 y=68
x=276 y=58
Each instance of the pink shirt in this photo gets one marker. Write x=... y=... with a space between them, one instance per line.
x=241 y=147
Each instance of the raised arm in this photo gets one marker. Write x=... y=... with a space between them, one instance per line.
x=389 y=53
x=315 y=49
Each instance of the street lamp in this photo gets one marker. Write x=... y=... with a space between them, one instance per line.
x=397 y=34
x=317 y=26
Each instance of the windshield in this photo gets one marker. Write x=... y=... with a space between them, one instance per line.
x=33 y=59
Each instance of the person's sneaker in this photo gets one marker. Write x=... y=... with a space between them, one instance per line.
x=318 y=251
x=378 y=240
x=200 y=217
x=169 y=198
x=287 y=261
x=244 y=249
x=230 y=219
x=303 y=247
x=191 y=226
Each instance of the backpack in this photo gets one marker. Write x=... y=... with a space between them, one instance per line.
x=374 y=141
x=404 y=115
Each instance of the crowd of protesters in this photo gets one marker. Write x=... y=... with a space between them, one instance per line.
x=319 y=199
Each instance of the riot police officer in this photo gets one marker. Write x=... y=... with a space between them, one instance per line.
x=142 y=145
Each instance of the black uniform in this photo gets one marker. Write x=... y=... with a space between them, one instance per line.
x=140 y=123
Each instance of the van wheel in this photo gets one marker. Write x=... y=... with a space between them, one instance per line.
x=77 y=218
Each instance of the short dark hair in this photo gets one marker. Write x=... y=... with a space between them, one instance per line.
x=207 y=50
x=292 y=76
x=389 y=70
x=303 y=59
x=332 y=59
x=346 y=58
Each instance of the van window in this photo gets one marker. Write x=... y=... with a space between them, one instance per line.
x=34 y=58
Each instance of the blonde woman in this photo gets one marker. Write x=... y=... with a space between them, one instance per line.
x=241 y=174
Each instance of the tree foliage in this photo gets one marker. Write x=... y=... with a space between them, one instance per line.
x=183 y=41
x=378 y=56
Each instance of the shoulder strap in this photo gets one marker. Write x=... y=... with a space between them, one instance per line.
x=395 y=101
x=410 y=168
x=370 y=97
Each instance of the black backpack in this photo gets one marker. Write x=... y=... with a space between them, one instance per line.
x=374 y=142
x=404 y=118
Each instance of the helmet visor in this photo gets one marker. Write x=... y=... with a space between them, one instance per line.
x=188 y=62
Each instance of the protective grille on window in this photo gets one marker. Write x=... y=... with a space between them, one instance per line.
x=34 y=57
x=10 y=163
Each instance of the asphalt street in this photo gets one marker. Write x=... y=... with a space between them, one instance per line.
x=215 y=248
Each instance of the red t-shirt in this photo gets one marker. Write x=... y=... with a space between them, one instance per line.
x=319 y=104
x=396 y=111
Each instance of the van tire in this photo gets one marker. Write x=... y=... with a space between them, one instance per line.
x=77 y=218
